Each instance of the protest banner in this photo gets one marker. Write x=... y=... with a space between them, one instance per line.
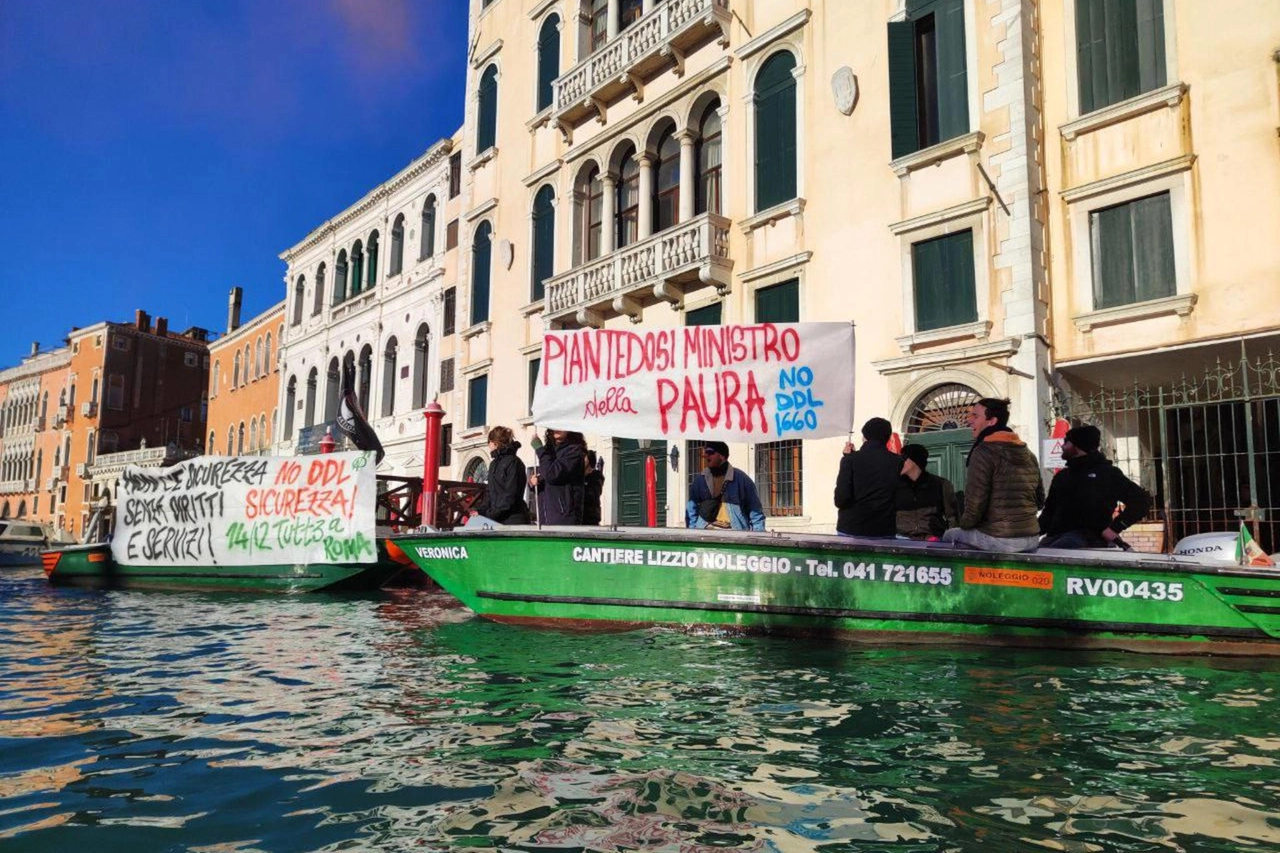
x=750 y=382
x=248 y=511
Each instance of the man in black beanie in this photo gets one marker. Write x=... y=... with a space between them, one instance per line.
x=867 y=485
x=1081 y=510
x=926 y=502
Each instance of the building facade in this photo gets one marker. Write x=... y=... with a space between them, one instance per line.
x=244 y=382
x=1007 y=198
x=33 y=435
x=372 y=292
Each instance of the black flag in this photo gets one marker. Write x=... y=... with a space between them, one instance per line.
x=351 y=420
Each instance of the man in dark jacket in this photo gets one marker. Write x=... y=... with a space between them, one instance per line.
x=926 y=502
x=1003 y=490
x=867 y=485
x=1080 y=511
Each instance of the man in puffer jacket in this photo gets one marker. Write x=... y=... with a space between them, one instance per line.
x=1003 y=491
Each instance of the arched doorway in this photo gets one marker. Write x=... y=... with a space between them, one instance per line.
x=477 y=471
x=939 y=419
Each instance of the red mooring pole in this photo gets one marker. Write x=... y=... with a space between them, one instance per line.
x=434 y=413
x=651 y=489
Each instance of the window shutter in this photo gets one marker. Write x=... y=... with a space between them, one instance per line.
x=926 y=262
x=544 y=238
x=708 y=315
x=1154 y=275
x=548 y=60
x=904 y=129
x=480 y=263
x=477 y=401
x=1112 y=257
x=953 y=76
x=775 y=106
x=1150 y=45
x=487 y=123
x=780 y=303
x=1090 y=63
x=961 y=297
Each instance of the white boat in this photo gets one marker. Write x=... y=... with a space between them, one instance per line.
x=21 y=543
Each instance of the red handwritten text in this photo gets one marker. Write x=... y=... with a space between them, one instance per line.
x=723 y=405
x=615 y=400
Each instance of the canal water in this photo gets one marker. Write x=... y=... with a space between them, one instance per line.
x=143 y=722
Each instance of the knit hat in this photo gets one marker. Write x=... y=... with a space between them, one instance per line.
x=877 y=429
x=718 y=446
x=1086 y=438
x=918 y=454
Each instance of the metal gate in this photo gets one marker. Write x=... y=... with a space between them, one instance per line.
x=1207 y=448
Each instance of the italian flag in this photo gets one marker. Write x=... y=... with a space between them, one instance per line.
x=1248 y=552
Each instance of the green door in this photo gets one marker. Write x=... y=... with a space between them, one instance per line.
x=628 y=472
x=948 y=450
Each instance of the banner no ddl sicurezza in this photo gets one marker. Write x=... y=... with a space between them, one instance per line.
x=248 y=510
x=749 y=383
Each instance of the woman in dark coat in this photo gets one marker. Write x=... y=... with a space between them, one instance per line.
x=504 y=495
x=560 y=481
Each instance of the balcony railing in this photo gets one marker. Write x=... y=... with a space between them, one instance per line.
x=644 y=47
x=663 y=267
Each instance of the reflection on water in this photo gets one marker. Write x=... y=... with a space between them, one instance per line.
x=398 y=722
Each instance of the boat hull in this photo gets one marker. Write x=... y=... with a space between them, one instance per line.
x=860 y=589
x=91 y=566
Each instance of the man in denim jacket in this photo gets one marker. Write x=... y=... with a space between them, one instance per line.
x=739 y=506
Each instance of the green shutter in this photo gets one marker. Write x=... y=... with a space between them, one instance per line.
x=535 y=367
x=487 y=122
x=775 y=107
x=961 y=289
x=1153 y=273
x=544 y=241
x=480 y=265
x=953 y=75
x=1119 y=50
x=478 y=401
x=1090 y=64
x=548 y=60
x=1150 y=46
x=1112 y=238
x=779 y=303
x=943 y=286
x=903 y=115
x=708 y=315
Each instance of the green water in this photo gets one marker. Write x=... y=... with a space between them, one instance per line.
x=145 y=722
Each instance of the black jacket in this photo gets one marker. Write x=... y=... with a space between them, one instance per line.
x=866 y=490
x=504 y=494
x=926 y=506
x=1083 y=496
x=593 y=493
x=561 y=475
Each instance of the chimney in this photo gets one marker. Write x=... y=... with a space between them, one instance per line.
x=233 y=309
x=35 y=347
x=162 y=327
x=141 y=321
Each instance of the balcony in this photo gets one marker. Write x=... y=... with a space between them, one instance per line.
x=622 y=64
x=661 y=268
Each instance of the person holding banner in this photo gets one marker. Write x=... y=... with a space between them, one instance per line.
x=503 y=500
x=723 y=497
x=560 y=483
x=867 y=485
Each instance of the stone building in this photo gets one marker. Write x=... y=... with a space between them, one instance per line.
x=244 y=381
x=33 y=435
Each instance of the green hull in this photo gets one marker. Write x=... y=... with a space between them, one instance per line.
x=92 y=566
x=826 y=585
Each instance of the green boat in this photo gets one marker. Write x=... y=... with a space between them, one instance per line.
x=867 y=590
x=93 y=566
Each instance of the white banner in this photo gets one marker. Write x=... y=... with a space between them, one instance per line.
x=752 y=383
x=248 y=511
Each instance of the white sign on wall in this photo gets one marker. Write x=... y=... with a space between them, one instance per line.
x=1051 y=454
x=248 y=511
x=751 y=382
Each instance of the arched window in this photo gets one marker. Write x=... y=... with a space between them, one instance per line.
x=213 y=439
x=544 y=240
x=710 y=159
x=299 y=294
x=487 y=121
x=235 y=374
x=477 y=471
x=217 y=377
x=371 y=281
x=597 y=18
x=548 y=59
x=309 y=411
x=481 y=254
x=666 y=189
x=253 y=435
x=257 y=358
x=775 y=106
x=357 y=268
x=389 y=377
x=248 y=360
x=428 y=228
x=231 y=440
x=593 y=215
x=332 y=388
x=364 y=377
x=627 y=207
x=240 y=440
x=942 y=408
x=317 y=304
x=290 y=404
x=266 y=356
x=279 y=348
x=396 y=264
x=271 y=435
x=340 y=278
x=421 y=349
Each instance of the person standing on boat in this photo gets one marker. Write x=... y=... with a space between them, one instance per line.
x=1003 y=491
x=559 y=484
x=723 y=497
x=1080 y=511
x=867 y=484
x=926 y=502
x=503 y=500
x=593 y=490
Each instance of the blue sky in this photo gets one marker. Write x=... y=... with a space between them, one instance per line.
x=154 y=153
